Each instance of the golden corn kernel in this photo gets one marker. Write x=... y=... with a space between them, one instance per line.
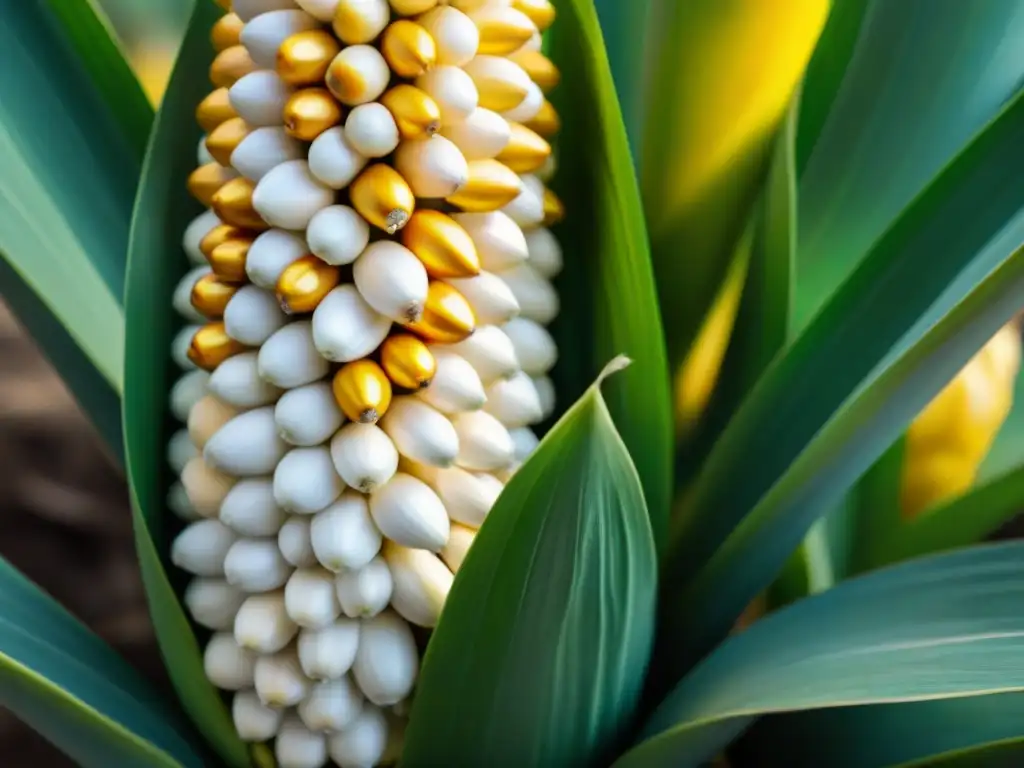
x=304 y=57
x=233 y=204
x=416 y=114
x=382 y=197
x=310 y=112
x=211 y=294
x=407 y=361
x=363 y=391
x=304 y=283
x=227 y=259
x=223 y=139
x=354 y=23
x=526 y=150
x=411 y=7
x=444 y=247
x=211 y=346
x=501 y=36
x=206 y=180
x=539 y=67
x=231 y=65
x=447 y=316
x=226 y=32
x=554 y=210
x=408 y=48
x=491 y=185
x=214 y=110
x=546 y=122
x=540 y=12
x=219 y=234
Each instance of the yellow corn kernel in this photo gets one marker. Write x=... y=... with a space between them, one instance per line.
x=447 y=316
x=310 y=112
x=304 y=283
x=416 y=114
x=214 y=109
x=211 y=294
x=539 y=67
x=231 y=65
x=233 y=204
x=304 y=57
x=412 y=7
x=223 y=139
x=540 y=12
x=407 y=361
x=490 y=186
x=219 y=234
x=554 y=209
x=211 y=346
x=382 y=197
x=227 y=259
x=526 y=150
x=206 y=180
x=408 y=48
x=355 y=23
x=444 y=247
x=226 y=32
x=502 y=34
x=363 y=391
x=546 y=122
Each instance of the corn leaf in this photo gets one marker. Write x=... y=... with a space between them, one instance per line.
x=841 y=393
x=966 y=732
x=540 y=653
x=94 y=394
x=719 y=88
x=72 y=688
x=100 y=54
x=1007 y=452
x=937 y=628
x=607 y=288
x=879 y=515
x=67 y=179
x=925 y=75
x=156 y=262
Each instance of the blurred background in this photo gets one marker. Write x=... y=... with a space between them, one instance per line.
x=66 y=521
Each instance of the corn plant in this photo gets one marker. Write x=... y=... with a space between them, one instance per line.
x=535 y=382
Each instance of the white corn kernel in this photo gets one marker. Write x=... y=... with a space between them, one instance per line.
x=481 y=136
x=537 y=298
x=187 y=391
x=178 y=502
x=248 y=445
x=298 y=747
x=484 y=443
x=289 y=195
x=345 y=327
x=545 y=394
x=467 y=496
x=456 y=385
x=256 y=565
x=252 y=316
x=310 y=598
x=492 y=300
x=525 y=442
x=422 y=583
x=179 y=347
x=535 y=348
x=197 y=229
x=528 y=108
x=499 y=241
x=289 y=359
x=514 y=401
x=363 y=743
x=366 y=592
x=331 y=705
x=309 y=415
x=237 y=382
x=250 y=510
x=391 y=280
x=270 y=253
x=458 y=547
x=371 y=130
x=527 y=209
x=364 y=456
x=264 y=34
x=305 y=481
x=545 y=252
x=408 y=512
x=180 y=451
x=294 y=542
x=254 y=721
x=454 y=33
x=434 y=167
x=490 y=351
x=279 y=680
x=264 y=149
x=182 y=298
x=420 y=432
x=344 y=536
x=452 y=89
x=212 y=602
x=227 y=665
x=333 y=160
x=263 y=625
x=328 y=652
x=387 y=662
x=337 y=234
x=259 y=98
x=202 y=547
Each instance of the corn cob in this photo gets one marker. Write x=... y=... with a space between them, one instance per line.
x=366 y=349
x=948 y=441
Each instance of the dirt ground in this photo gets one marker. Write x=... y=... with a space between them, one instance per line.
x=64 y=521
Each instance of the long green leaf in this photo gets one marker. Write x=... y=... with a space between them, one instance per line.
x=942 y=247
x=970 y=732
x=937 y=628
x=843 y=449
x=607 y=289
x=879 y=514
x=924 y=77
x=67 y=179
x=156 y=262
x=70 y=686
x=93 y=393
x=1007 y=452
x=540 y=653
x=94 y=40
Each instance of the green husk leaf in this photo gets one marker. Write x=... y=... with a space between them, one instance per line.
x=540 y=653
x=100 y=54
x=607 y=289
x=881 y=145
x=937 y=628
x=156 y=262
x=794 y=439
x=76 y=691
x=67 y=179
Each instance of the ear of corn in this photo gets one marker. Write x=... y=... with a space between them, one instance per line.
x=338 y=281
